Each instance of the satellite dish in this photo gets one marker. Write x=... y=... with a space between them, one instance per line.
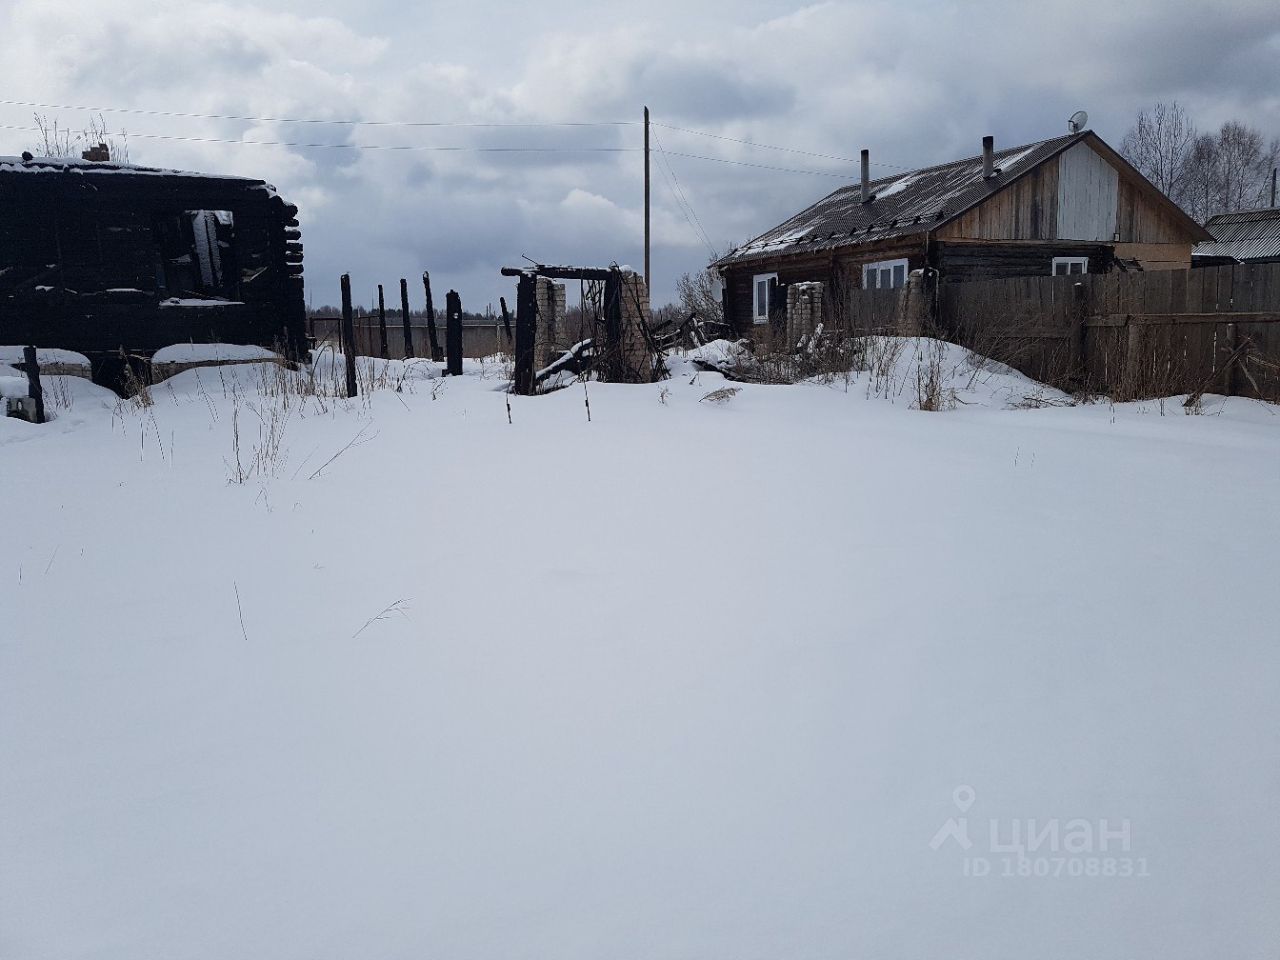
x=1079 y=120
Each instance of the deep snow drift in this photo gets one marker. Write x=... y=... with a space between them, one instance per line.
x=689 y=679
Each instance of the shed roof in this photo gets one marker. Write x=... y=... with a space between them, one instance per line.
x=1244 y=235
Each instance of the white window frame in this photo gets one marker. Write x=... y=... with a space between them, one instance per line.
x=758 y=315
x=1069 y=261
x=881 y=265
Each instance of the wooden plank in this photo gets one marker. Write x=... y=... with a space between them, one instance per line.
x=1164 y=319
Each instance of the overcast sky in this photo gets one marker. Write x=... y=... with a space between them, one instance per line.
x=915 y=83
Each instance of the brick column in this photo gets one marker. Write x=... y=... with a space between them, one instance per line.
x=804 y=311
x=913 y=305
x=636 y=358
x=550 y=339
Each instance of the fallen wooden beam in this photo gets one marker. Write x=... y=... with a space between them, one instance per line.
x=576 y=359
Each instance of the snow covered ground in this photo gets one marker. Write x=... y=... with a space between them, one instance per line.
x=785 y=675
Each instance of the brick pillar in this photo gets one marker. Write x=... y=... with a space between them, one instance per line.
x=804 y=311
x=636 y=359
x=563 y=334
x=914 y=305
x=544 y=340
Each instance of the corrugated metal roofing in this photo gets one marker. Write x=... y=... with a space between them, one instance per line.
x=1246 y=235
x=901 y=205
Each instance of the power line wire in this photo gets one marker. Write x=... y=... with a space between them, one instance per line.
x=357 y=123
x=416 y=124
x=446 y=149
x=447 y=124
x=681 y=198
x=358 y=146
x=685 y=211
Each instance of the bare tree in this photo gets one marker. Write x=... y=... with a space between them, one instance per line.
x=1245 y=165
x=1200 y=193
x=1159 y=144
x=1205 y=174
x=699 y=293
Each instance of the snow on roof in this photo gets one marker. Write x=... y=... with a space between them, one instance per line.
x=906 y=203
x=72 y=165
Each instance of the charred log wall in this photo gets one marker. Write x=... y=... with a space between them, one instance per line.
x=91 y=260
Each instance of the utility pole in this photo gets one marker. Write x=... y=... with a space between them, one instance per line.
x=647 y=276
x=1273 y=185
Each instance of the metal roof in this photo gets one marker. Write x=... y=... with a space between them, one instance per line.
x=904 y=204
x=1244 y=235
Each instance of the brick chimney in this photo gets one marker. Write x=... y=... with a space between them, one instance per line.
x=98 y=154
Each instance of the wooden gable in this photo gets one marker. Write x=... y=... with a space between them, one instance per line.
x=1087 y=193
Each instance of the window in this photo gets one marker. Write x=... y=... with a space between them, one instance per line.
x=765 y=284
x=884 y=275
x=194 y=252
x=1066 y=266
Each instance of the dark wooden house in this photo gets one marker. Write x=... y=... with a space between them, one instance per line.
x=101 y=257
x=1061 y=206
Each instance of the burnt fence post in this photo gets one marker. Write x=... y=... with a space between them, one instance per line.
x=526 y=332
x=436 y=354
x=382 y=325
x=611 y=355
x=32 y=368
x=348 y=336
x=506 y=319
x=404 y=319
x=453 y=332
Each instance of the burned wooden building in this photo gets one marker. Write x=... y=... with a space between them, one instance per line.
x=114 y=260
x=1058 y=207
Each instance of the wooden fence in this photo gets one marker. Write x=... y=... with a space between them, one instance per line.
x=1214 y=329
x=478 y=340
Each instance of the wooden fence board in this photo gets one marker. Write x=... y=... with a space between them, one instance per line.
x=1146 y=334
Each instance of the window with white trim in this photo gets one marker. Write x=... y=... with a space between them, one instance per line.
x=884 y=275
x=763 y=286
x=1066 y=266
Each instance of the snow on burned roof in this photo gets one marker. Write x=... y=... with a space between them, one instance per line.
x=72 y=165
x=906 y=203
